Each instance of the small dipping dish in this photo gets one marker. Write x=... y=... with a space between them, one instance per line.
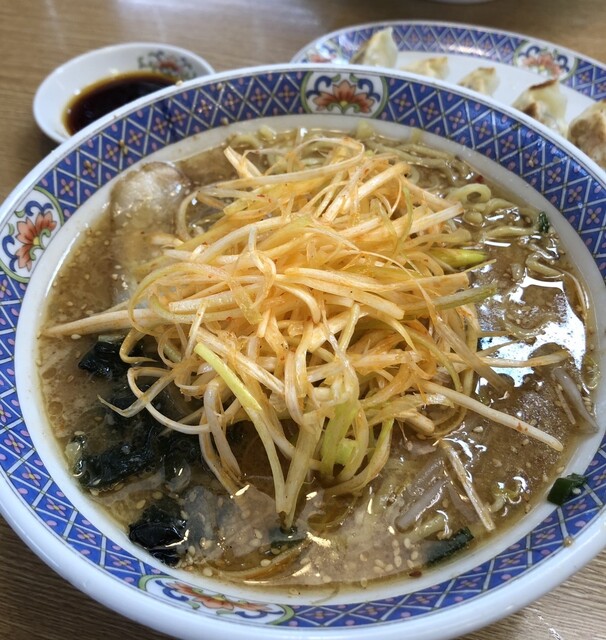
x=97 y=82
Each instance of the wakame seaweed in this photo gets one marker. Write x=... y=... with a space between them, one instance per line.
x=440 y=550
x=160 y=530
x=146 y=450
x=103 y=360
x=282 y=539
x=133 y=445
x=105 y=469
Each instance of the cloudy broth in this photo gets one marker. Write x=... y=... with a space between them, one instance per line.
x=418 y=511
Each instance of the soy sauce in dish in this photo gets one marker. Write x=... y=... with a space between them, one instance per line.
x=104 y=96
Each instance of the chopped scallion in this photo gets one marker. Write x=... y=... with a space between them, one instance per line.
x=543 y=222
x=563 y=488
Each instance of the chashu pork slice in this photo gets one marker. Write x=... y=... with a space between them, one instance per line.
x=144 y=203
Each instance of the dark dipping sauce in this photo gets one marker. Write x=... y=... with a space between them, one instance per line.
x=102 y=97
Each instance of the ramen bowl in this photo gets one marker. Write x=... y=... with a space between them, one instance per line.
x=72 y=78
x=62 y=196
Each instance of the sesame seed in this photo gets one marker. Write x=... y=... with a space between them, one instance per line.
x=265 y=562
x=207 y=571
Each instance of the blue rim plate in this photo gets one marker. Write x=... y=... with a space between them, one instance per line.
x=110 y=571
x=520 y=60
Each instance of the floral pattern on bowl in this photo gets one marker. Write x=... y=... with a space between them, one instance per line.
x=167 y=64
x=29 y=231
x=347 y=95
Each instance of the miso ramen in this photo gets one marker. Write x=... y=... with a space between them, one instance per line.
x=312 y=358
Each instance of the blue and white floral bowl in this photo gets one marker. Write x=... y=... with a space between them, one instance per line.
x=59 y=198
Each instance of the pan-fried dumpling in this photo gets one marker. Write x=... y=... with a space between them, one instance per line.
x=483 y=80
x=379 y=51
x=544 y=102
x=588 y=132
x=431 y=67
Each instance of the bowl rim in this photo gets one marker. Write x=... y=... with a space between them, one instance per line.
x=139 y=606
x=38 y=103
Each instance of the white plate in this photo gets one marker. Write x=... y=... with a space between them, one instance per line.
x=520 y=61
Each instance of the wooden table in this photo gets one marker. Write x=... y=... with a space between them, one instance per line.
x=36 y=36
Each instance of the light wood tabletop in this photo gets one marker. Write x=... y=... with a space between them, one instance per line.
x=38 y=35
